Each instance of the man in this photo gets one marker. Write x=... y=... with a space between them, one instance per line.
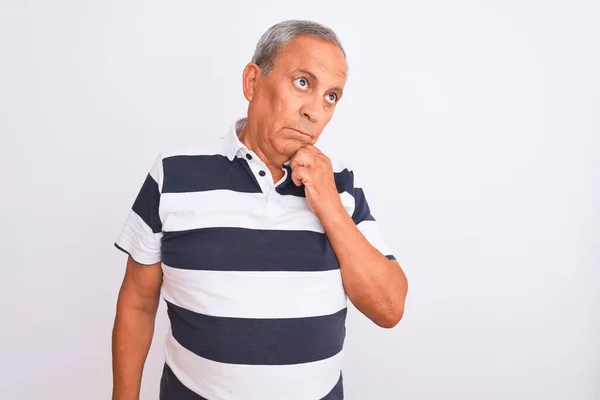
x=255 y=241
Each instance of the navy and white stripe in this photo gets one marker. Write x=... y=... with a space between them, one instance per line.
x=252 y=284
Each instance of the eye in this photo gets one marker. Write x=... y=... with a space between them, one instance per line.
x=332 y=98
x=302 y=83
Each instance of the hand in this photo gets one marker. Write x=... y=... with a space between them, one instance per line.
x=313 y=169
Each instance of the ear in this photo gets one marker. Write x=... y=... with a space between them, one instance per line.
x=250 y=79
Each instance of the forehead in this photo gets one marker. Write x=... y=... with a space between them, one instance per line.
x=323 y=58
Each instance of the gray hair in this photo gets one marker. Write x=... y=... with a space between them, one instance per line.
x=280 y=35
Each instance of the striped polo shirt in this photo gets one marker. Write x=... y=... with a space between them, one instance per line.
x=253 y=287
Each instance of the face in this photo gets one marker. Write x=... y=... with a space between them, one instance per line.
x=291 y=106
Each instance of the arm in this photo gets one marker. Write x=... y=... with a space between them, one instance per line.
x=134 y=327
x=375 y=285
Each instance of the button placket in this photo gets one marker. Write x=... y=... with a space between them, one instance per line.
x=256 y=167
x=259 y=169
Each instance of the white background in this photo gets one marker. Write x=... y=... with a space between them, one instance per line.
x=474 y=125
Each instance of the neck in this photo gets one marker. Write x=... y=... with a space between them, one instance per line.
x=251 y=137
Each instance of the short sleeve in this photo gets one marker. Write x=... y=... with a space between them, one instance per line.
x=366 y=223
x=141 y=234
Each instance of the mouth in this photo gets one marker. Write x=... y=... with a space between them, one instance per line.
x=301 y=132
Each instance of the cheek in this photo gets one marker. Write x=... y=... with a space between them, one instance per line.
x=290 y=100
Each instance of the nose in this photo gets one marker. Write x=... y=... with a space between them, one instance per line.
x=310 y=110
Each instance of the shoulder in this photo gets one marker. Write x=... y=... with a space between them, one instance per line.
x=342 y=170
x=345 y=172
x=339 y=162
x=175 y=158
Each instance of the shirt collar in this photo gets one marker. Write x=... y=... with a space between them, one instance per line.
x=231 y=143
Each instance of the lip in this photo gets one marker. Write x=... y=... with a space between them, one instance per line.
x=299 y=131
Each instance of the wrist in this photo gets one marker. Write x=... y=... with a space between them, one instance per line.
x=332 y=212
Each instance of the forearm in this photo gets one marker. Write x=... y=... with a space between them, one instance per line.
x=374 y=284
x=132 y=337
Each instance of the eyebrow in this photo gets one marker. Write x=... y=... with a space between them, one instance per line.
x=314 y=77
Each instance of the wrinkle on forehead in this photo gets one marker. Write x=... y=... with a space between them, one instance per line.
x=324 y=55
x=333 y=69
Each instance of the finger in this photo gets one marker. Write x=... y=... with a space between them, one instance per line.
x=316 y=153
x=300 y=175
x=312 y=148
x=302 y=159
x=297 y=175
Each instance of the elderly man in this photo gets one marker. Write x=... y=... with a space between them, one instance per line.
x=255 y=240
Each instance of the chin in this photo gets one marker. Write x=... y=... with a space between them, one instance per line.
x=290 y=147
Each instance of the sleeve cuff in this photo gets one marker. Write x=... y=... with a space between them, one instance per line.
x=139 y=258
